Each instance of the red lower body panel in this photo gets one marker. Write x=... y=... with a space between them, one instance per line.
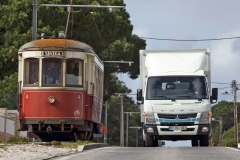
x=68 y=104
x=94 y=109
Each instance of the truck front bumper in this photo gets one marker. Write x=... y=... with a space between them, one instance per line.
x=154 y=129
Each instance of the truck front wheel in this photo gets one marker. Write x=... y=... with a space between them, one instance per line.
x=147 y=140
x=204 y=140
x=194 y=142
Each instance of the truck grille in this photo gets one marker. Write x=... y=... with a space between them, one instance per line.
x=180 y=116
x=177 y=124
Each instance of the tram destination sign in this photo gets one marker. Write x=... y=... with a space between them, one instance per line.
x=52 y=53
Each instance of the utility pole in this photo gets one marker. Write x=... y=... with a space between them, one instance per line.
x=127 y=130
x=106 y=103
x=34 y=25
x=220 y=132
x=105 y=120
x=121 y=123
x=137 y=128
x=234 y=85
x=122 y=118
x=127 y=126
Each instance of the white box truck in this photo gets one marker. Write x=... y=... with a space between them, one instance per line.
x=176 y=96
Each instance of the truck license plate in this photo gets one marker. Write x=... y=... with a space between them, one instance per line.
x=175 y=128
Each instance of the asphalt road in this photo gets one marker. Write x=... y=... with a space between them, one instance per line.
x=156 y=153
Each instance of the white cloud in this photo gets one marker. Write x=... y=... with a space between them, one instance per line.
x=140 y=31
x=225 y=63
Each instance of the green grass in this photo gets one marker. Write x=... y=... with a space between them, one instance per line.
x=17 y=140
x=83 y=142
x=69 y=144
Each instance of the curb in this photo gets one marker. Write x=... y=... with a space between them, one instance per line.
x=93 y=146
x=79 y=149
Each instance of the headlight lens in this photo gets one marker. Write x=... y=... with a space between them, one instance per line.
x=205 y=118
x=149 y=118
x=51 y=99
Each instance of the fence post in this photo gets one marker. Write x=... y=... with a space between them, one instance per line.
x=16 y=125
x=5 y=123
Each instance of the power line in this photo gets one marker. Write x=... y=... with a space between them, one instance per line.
x=224 y=87
x=220 y=83
x=210 y=39
x=98 y=32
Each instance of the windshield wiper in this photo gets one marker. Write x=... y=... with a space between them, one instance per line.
x=165 y=97
x=191 y=97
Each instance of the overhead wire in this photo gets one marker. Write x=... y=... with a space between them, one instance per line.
x=99 y=33
x=224 y=87
x=210 y=39
x=220 y=83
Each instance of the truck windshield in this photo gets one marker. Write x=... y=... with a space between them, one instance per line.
x=177 y=87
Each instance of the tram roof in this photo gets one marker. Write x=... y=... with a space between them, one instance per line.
x=56 y=44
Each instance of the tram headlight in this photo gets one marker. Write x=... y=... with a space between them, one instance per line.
x=51 y=99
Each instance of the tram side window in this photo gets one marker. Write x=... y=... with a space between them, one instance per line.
x=98 y=82
x=31 y=71
x=74 y=75
x=52 y=71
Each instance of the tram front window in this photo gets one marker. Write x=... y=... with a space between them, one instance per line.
x=52 y=70
x=74 y=75
x=31 y=74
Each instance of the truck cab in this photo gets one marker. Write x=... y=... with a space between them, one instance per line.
x=176 y=96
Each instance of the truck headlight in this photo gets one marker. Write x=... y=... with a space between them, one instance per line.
x=149 y=118
x=205 y=118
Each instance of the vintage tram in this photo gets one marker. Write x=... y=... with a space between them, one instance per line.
x=60 y=91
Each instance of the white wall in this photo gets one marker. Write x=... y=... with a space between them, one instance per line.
x=10 y=127
x=2 y=120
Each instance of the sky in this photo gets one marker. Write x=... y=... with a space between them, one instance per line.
x=189 y=19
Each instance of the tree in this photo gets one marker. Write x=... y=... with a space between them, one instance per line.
x=15 y=22
x=15 y=30
x=109 y=33
x=228 y=137
x=8 y=98
x=223 y=109
x=114 y=110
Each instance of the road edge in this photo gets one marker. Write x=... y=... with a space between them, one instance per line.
x=79 y=149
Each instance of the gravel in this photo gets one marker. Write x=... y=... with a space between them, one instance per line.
x=33 y=151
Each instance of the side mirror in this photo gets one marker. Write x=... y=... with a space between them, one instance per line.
x=139 y=95
x=214 y=96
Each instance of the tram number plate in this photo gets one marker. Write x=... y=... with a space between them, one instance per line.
x=175 y=128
